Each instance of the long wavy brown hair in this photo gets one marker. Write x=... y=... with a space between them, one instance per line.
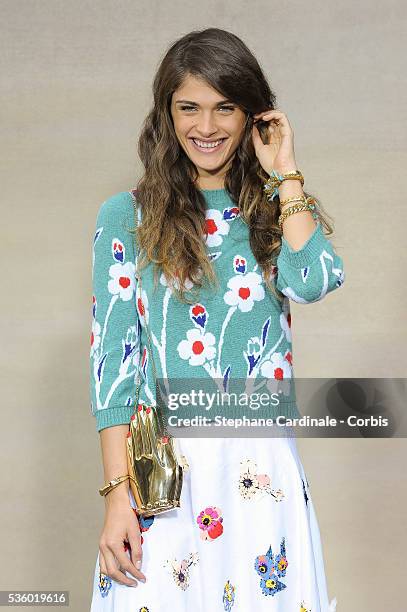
x=172 y=231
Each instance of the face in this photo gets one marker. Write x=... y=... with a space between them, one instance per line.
x=209 y=129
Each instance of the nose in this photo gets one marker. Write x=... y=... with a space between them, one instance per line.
x=206 y=125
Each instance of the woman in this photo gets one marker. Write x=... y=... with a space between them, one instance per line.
x=245 y=535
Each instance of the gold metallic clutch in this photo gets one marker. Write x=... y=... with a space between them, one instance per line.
x=156 y=472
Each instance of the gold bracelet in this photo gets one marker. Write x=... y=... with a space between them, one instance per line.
x=275 y=180
x=294 y=209
x=301 y=198
x=112 y=484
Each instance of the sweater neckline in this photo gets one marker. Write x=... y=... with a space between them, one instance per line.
x=214 y=198
x=217 y=198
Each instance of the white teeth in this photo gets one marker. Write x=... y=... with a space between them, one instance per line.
x=207 y=145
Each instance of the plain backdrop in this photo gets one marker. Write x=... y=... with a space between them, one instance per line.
x=75 y=88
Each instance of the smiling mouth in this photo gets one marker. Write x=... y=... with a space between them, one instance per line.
x=207 y=147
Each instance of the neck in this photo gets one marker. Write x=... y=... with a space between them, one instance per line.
x=211 y=182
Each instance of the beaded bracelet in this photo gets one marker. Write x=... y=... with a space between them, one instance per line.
x=297 y=208
x=275 y=180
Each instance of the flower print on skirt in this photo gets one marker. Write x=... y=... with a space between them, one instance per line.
x=245 y=538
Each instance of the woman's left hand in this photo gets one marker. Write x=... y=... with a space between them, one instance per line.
x=279 y=153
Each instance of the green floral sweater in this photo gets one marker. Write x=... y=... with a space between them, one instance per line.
x=240 y=331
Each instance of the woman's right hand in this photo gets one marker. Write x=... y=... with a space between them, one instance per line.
x=121 y=524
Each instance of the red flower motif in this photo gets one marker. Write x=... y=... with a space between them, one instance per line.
x=124 y=282
x=244 y=292
x=211 y=226
x=216 y=530
x=197 y=310
x=278 y=374
x=197 y=347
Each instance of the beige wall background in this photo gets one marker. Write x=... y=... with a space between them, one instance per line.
x=75 y=87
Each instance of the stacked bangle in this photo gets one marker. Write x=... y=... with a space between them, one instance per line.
x=292 y=199
x=275 y=180
x=303 y=204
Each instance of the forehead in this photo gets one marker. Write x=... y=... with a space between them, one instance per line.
x=196 y=90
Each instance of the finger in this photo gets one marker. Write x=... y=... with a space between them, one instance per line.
x=102 y=563
x=103 y=573
x=127 y=564
x=136 y=551
x=275 y=118
x=112 y=569
x=268 y=112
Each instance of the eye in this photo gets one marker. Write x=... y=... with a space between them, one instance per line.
x=188 y=107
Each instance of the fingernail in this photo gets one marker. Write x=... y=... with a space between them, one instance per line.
x=138 y=564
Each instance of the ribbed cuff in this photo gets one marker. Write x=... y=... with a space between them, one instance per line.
x=314 y=246
x=108 y=417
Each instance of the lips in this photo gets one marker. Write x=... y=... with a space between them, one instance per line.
x=207 y=149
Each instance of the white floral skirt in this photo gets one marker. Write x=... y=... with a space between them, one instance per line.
x=245 y=538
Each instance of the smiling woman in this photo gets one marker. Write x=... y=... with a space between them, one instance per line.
x=209 y=125
x=212 y=310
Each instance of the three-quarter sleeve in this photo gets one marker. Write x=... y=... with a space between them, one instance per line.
x=115 y=336
x=308 y=274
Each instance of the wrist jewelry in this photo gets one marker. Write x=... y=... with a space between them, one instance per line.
x=275 y=180
x=297 y=208
x=112 y=484
x=301 y=198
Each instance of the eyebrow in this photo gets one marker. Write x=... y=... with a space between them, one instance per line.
x=196 y=104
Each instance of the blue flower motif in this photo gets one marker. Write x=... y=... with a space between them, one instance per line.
x=118 y=250
x=264 y=565
x=240 y=264
x=145 y=522
x=271 y=568
x=105 y=584
x=231 y=213
x=281 y=560
x=228 y=598
x=199 y=315
x=271 y=585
